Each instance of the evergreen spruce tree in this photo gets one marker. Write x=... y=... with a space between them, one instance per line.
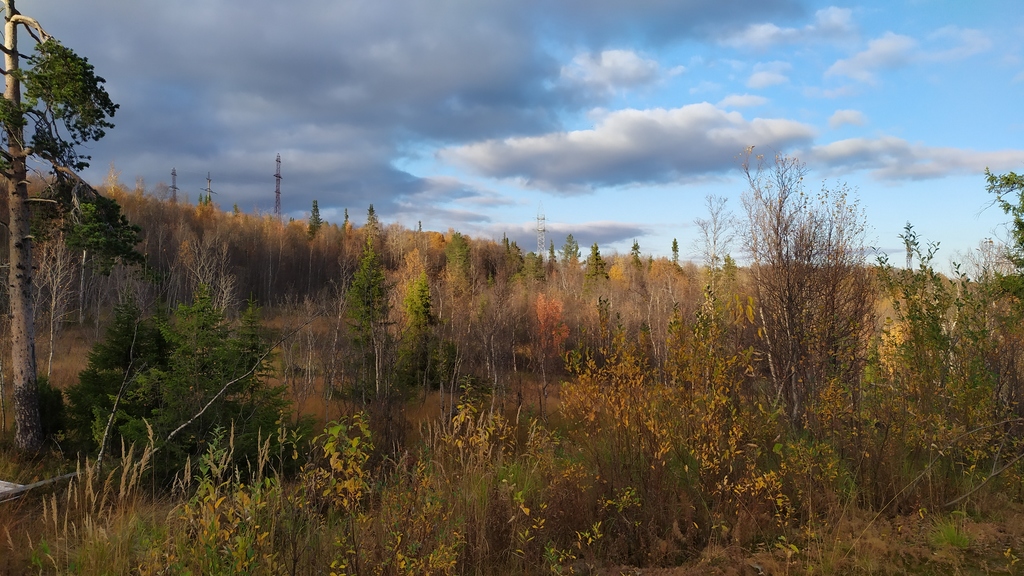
x=315 y=223
x=416 y=356
x=369 y=308
x=373 y=226
x=133 y=345
x=571 y=250
x=635 y=255
x=596 y=268
x=166 y=371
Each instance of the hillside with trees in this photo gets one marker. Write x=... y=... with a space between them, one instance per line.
x=186 y=389
x=249 y=395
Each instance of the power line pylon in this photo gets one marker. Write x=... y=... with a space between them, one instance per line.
x=174 y=185
x=277 y=190
x=541 y=231
x=208 y=190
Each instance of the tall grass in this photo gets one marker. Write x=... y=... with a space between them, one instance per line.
x=101 y=522
x=633 y=479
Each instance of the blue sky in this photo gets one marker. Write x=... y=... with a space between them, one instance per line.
x=615 y=119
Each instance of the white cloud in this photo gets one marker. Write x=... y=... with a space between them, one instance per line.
x=896 y=50
x=742 y=101
x=839 y=92
x=889 y=51
x=830 y=24
x=630 y=147
x=966 y=43
x=586 y=233
x=892 y=158
x=843 y=117
x=768 y=74
x=612 y=69
x=834 y=21
x=766 y=79
x=705 y=86
x=395 y=72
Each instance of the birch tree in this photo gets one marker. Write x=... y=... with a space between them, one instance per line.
x=55 y=285
x=808 y=274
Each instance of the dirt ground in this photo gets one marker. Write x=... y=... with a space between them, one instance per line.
x=990 y=542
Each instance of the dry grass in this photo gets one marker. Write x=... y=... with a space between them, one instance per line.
x=70 y=354
x=95 y=523
x=483 y=495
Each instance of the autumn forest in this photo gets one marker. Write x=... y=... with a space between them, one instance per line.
x=240 y=394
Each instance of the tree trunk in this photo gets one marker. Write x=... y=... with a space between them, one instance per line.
x=3 y=394
x=28 y=435
x=81 y=291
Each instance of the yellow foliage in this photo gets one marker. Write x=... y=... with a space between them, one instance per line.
x=617 y=272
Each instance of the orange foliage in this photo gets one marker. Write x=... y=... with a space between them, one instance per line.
x=553 y=332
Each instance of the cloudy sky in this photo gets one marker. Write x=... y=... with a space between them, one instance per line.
x=614 y=119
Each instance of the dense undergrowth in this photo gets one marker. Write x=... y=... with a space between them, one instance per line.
x=629 y=471
x=482 y=411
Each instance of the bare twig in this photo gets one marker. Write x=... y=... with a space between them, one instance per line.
x=985 y=481
x=117 y=400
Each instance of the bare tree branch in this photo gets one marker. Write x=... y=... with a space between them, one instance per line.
x=31 y=24
x=19 y=492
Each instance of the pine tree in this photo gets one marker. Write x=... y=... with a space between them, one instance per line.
x=532 y=267
x=315 y=223
x=53 y=103
x=103 y=231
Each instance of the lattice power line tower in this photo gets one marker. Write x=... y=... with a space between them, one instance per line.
x=174 y=185
x=541 y=231
x=209 y=191
x=277 y=190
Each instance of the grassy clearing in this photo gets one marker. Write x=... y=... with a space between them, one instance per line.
x=481 y=495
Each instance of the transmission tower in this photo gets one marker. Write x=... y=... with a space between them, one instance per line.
x=208 y=190
x=541 y=231
x=277 y=190
x=174 y=185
